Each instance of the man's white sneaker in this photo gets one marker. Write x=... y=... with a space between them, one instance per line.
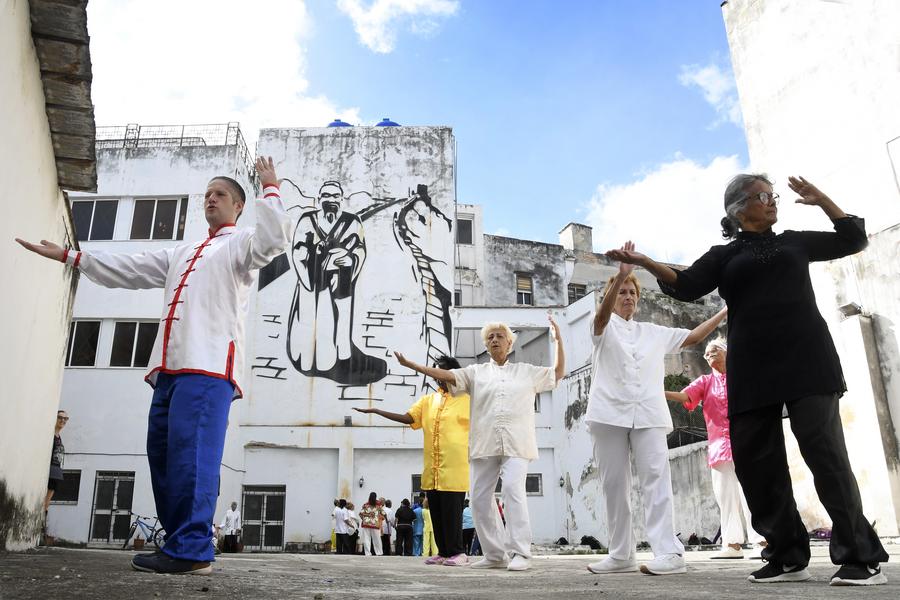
x=488 y=564
x=518 y=563
x=613 y=565
x=666 y=564
x=727 y=552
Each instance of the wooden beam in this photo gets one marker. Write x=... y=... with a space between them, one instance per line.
x=61 y=21
x=73 y=146
x=74 y=122
x=77 y=175
x=66 y=58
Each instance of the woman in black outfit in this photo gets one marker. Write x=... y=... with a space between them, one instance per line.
x=782 y=355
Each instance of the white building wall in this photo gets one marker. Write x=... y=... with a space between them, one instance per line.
x=31 y=355
x=830 y=114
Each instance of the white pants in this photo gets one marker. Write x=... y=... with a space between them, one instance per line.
x=371 y=536
x=495 y=543
x=732 y=506
x=613 y=449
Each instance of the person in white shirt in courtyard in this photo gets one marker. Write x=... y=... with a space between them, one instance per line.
x=501 y=439
x=197 y=361
x=231 y=528
x=627 y=417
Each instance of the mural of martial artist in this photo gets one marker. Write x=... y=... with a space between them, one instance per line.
x=328 y=252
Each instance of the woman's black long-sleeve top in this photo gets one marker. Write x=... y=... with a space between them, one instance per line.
x=779 y=348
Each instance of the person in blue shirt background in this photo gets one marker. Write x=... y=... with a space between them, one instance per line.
x=468 y=526
x=418 y=526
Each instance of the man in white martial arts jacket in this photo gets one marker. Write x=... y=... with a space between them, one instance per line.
x=197 y=359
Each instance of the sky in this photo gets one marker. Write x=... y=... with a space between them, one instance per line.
x=620 y=115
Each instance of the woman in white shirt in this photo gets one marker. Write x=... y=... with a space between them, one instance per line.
x=501 y=439
x=627 y=417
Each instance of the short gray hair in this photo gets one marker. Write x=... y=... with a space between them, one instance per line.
x=736 y=197
x=719 y=343
x=489 y=327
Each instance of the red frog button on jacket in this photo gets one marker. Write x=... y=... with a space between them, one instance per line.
x=207 y=286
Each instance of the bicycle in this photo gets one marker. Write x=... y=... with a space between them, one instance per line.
x=152 y=533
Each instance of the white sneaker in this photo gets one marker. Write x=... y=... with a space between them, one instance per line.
x=613 y=565
x=518 y=563
x=484 y=563
x=727 y=552
x=666 y=564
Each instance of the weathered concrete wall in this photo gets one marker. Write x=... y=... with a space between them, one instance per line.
x=817 y=115
x=505 y=256
x=827 y=113
x=316 y=351
x=470 y=258
x=38 y=298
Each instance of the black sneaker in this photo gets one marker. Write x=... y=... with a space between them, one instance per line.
x=775 y=573
x=858 y=574
x=163 y=563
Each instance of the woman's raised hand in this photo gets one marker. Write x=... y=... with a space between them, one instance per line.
x=809 y=194
x=403 y=360
x=626 y=256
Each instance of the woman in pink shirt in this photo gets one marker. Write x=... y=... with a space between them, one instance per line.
x=711 y=391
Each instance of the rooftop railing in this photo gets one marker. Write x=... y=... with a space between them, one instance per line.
x=167 y=136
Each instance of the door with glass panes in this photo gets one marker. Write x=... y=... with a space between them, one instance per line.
x=262 y=518
x=111 y=514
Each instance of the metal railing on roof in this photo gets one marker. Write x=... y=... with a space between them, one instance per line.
x=167 y=136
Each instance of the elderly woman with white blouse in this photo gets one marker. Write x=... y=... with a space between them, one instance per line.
x=501 y=440
x=628 y=419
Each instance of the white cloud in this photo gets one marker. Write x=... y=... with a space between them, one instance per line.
x=377 y=24
x=204 y=61
x=671 y=213
x=718 y=88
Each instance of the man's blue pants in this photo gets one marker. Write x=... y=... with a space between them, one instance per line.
x=185 y=441
x=417 y=544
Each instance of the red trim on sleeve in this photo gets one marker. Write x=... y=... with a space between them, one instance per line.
x=65 y=257
x=77 y=260
x=274 y=185
x=272 y=195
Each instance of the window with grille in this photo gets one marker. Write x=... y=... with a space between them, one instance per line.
x=94 y=219
x=159 y=219
x=82 y=349
x=132 y=344
x=457 y=297
x=464 y=231
x=576 y=292
x=524 y=289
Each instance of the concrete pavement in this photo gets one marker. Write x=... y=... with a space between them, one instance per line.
x=106 y=574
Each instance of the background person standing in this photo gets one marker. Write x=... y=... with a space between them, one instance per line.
x=231 y=528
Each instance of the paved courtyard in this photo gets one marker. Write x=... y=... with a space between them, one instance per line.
x=106 y=574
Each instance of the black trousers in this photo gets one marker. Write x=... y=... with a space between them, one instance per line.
x=446 y=517
x=342 y=541
x=760 y=461
x=404 y=540
x=385 y=544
